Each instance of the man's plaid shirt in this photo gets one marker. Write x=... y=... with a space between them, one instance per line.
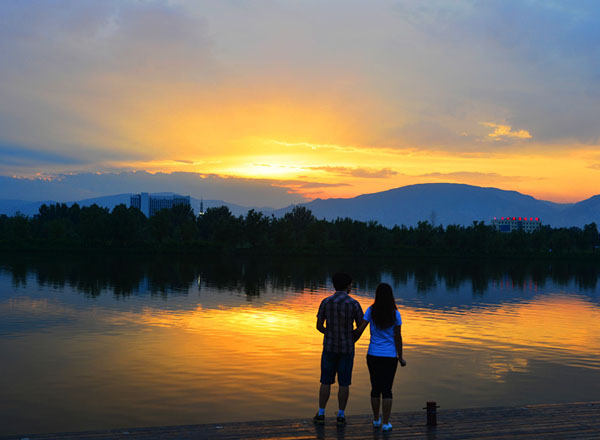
x=339 y=311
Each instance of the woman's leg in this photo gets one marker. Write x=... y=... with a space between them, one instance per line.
x=375 y=392
x=375 y=404
x=386 y=410
x=389 y=366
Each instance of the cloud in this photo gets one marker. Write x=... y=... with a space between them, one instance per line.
x=299 y=184
x=16 y=155
x=87 y=76
x=69 y=187
x=505 y=131
x=357 y=172
x=162 y=79
x=595 y=166
x=531 y=63
x=475 y=177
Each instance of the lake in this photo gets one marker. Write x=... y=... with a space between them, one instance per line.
x=99 y=342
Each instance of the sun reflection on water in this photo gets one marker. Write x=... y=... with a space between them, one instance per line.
x=257 y=347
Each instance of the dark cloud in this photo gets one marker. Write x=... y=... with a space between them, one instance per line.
x=16 y=155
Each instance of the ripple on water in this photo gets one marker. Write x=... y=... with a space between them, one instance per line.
x=216 y=355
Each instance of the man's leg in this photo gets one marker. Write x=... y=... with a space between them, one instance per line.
x=327 y=378
x=324 y=395
x=344 y=366
x=343 y=393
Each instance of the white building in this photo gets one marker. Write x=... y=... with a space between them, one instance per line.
x=150 y=204
x=509 y=224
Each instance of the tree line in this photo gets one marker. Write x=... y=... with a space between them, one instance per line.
x=60 y=226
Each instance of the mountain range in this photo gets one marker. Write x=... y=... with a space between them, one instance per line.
x=449 y=203
x=437 y=203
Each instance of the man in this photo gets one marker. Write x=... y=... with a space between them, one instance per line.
x=335 y=319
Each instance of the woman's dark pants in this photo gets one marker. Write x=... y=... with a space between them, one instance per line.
x=382 y=371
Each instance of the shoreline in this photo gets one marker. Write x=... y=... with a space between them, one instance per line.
x=577 y=420
x=212 y=252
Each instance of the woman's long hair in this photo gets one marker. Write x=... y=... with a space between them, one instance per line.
x=383 y=310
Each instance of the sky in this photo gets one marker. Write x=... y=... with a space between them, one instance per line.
x=298 y=99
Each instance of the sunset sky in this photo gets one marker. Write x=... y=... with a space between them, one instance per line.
x=302 y=98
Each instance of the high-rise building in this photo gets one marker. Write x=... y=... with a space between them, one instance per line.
x=509 y=224
x=151 y=204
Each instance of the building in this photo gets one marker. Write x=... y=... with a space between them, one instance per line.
x=150 y=204
x=509 y=224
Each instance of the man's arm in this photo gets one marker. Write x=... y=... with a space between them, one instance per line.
x=398 y=341
x=360 y=328
x=321 y=324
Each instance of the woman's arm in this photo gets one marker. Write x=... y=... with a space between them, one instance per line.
x=398 y=341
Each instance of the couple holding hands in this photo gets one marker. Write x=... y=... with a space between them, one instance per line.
x=335 y=319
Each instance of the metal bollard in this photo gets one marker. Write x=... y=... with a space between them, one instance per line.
x=431 y=413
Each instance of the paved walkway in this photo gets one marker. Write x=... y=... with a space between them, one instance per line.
x=560 y=421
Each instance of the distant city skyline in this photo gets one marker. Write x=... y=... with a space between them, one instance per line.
x=278 y=102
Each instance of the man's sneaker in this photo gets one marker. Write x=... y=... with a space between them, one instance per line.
x=377 y=423
x=341 y=420
x=319 y=419
x=386 y=427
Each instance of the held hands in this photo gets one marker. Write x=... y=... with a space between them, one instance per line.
x=402 y=362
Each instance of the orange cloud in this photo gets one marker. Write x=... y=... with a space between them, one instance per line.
x=505 y=131
x=358 y=172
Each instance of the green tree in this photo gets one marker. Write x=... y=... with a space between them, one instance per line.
x=128 y=225
x=256 y=228
x=220 y=227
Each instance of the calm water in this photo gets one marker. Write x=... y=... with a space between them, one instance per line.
x=107 y=342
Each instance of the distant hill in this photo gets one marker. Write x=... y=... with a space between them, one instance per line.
x=581 y=213
x=11 y=207
x=448 y=203
x=438 y=203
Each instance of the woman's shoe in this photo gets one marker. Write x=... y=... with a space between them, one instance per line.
x=386 y=427
x=377 y=423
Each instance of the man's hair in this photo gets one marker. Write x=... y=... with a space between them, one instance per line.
x=341 y=280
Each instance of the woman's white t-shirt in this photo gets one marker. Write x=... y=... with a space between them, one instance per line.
x=382 y=340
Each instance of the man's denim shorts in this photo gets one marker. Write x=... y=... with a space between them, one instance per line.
x=340 y=363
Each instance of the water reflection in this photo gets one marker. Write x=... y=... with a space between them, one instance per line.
x=139 y=341
x=129 y=274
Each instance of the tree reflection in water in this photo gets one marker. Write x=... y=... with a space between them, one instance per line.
x=123 y=275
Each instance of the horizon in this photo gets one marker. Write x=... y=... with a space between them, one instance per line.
x=272 y=206
x=315 y=101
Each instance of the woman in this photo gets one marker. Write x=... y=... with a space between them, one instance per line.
x=385 y=351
